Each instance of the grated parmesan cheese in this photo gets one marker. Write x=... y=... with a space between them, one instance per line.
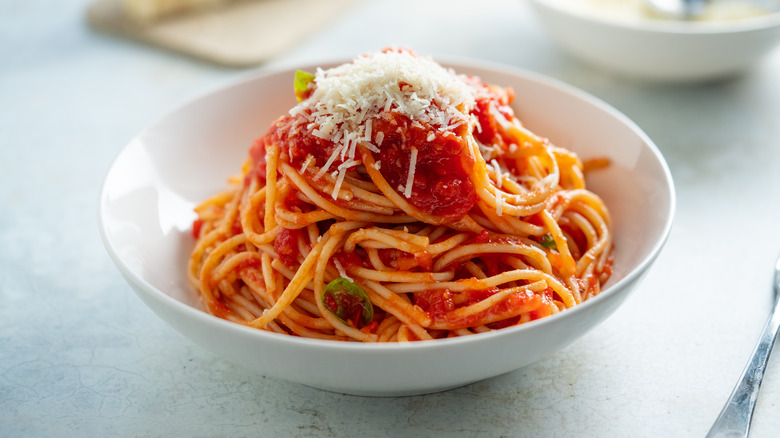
x=339 y=181
x=499 y=174
x=309 y=159
x=340 y=268
x=347 y=98
x=410 y=175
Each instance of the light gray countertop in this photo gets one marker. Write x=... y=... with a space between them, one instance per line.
x=80 y=355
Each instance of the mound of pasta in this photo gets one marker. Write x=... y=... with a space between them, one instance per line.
x=400 y=201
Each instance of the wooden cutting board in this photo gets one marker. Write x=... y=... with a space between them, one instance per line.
x=239 y=34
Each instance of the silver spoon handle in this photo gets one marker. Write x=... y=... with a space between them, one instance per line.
x=734 y=419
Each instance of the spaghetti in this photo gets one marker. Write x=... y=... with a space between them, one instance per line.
x=399 y=201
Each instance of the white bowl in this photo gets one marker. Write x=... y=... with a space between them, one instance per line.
x=146 y=214
x=663 y=50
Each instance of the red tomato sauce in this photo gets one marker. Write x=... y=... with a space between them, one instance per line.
x=350 y=259
x=487 y=97
x=296 y=143
x=286 y=246
x=405 y=261
x=249 y=263
x=219 y=309
x=440 y=303
x=257 y=155
x=486 y=236
x=197 y=225
x=436 y=303
x=441 y=185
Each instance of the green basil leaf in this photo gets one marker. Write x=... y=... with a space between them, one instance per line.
x=301 y=84
x=346 y=301
x=548 y=242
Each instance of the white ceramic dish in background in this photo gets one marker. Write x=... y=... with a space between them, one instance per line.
x=662 y=50
x=146 y=214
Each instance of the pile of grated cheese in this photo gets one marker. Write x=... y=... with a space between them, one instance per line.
x=347 y=98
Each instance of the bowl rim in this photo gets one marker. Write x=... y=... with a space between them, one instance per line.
x=456 y=63
x=672 y=27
